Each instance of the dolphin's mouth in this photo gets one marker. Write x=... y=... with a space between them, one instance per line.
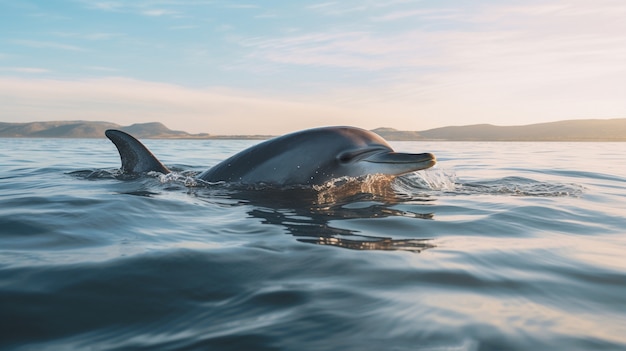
x=399 y=158
x=398 y=163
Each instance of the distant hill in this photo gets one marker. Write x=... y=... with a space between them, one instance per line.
x=394 y=134
x=60 y=129
x=88 y=129
x=572 y=130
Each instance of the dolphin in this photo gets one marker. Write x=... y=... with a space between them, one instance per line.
x=304 y=158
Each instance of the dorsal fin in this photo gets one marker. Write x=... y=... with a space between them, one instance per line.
x=136 y=158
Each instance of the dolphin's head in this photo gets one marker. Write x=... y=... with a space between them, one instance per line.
x=314 y=157
x=368 y=153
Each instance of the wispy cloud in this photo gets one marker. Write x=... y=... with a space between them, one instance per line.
x=103 y=36
x=29 y=70
x=158 y=12
x=184 y=27
x=350 y=50
x=338 y=8
x=241 y=6
x=48 y=15
x=322 y=5
x=89 y=36
x=267 y=14
x=153 y=8
x=106 y=5
x=46 y=45
x=510 y=38
x=430 y=14
x=102 y=69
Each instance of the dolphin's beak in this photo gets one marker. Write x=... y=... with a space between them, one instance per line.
x=399 y=163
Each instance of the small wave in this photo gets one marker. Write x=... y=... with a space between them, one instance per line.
x=520 y=186
x=94 y=174
x=373 y=243
x=446 y=182
x=379 y=187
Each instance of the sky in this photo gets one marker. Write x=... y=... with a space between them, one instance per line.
x=270 y=67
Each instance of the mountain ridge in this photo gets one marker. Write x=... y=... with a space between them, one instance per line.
x=96 y=129
x=567 y=130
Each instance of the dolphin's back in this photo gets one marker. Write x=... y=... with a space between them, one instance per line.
x=304 y=157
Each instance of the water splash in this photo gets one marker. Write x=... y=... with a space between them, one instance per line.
x=432 y=179
x=185 y=178
x=377 y=187
x=370 y=187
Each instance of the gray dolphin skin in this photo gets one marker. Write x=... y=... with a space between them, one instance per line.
x=308 y=157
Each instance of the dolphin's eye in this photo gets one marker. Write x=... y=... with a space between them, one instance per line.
x=354 y=155
x=346 y=157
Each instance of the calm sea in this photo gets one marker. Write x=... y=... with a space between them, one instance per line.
x=501 y=246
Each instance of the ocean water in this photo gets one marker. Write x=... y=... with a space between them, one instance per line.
x=501 y=246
